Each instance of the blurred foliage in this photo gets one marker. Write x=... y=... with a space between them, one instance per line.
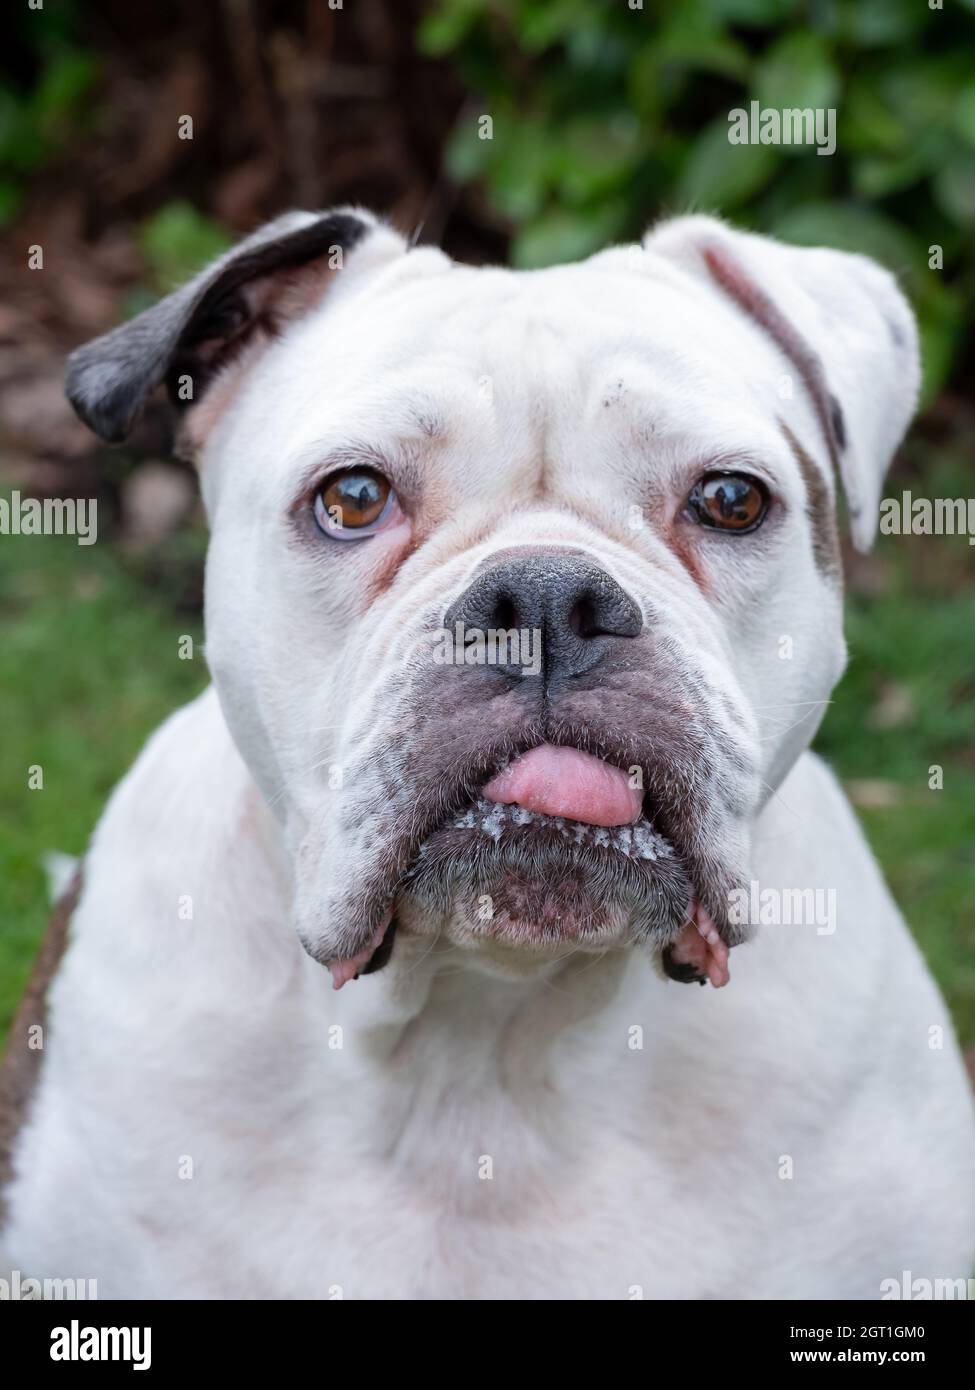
x=606 y=115
x=39 y=113
x=175 y=242
x=178 y=241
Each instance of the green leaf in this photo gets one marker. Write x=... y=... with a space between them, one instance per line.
x=941 y=319
x=875 y=23
x=797 y=71
x=718 y=175
x=965 y=113
x=23 y=145
x=10 y=200
x=753 y=13
x=852 y=227
x=798 y=182
x=877 y=178
x=870 y=124
x=560 y=236
x=925 y=91
x=652 y=87
x=595 y=157
x=693 y=39
x=447 y=26
x=178 y=241
x=467 y=155
x=954 y=189
x=519 y=170
x=539 y=26
x=66 y=79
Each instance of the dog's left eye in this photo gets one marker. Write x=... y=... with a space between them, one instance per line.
x=354 y=503
x=729 y=502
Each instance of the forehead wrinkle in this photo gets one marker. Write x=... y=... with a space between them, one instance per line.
x=523 y=354
x=642 y=403
x=544 y=335
x=394 y=428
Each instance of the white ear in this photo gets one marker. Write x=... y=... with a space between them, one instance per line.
x=840 y=319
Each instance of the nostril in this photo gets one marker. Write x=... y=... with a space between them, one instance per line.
x=594 y=614
x=582 y=618
x=505 y=613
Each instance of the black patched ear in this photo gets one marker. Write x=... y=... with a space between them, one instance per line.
x=267 y=280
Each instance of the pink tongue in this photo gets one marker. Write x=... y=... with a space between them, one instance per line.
x=566 y=782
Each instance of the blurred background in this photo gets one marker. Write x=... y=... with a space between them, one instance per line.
x=606 y=114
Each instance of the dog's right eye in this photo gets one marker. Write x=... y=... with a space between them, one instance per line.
x=355 y=503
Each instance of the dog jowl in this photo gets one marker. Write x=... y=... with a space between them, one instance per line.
x=393 y=446
x=570 y=808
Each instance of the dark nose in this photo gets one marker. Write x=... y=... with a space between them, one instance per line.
x=575 y=609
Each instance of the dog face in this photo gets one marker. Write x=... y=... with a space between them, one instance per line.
x=625 y=467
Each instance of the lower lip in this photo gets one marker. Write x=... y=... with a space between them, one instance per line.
x=494 y=819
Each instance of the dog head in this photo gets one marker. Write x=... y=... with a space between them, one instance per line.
x=524 y=590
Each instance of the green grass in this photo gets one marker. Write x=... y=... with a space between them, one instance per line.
x=89 y=666
x=904 y=706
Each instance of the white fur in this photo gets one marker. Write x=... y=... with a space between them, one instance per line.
x=472 y=1131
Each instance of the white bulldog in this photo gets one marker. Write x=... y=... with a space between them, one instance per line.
x=522 y=849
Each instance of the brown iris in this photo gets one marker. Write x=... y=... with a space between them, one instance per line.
x=729 y=502
x=353 y=499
